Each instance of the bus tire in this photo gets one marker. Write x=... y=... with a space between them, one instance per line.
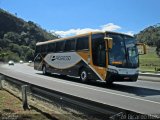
x=84 y=75
x=44 y=70
x=109 y=83
x=63 y=76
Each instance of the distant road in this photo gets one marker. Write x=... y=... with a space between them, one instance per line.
x=150 y=77
x=140 y=96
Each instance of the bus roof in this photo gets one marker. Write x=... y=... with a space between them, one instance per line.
x=80 y=35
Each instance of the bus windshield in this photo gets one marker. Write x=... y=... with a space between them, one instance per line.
x=124 y=51
x=132 y=52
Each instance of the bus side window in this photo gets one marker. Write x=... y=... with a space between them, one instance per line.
x=60 y=46
x=40 y=48
x=37 y=49
x=70 y=45
x=82 y=43
x=43 y=50
x=51 y=47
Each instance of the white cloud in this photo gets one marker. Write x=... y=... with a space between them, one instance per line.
x=129 y=33
x=106 y=27
x=110 y=27
x=74 y=31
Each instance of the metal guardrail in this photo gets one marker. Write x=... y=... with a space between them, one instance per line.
x=91 y=108
x=149 y=77
x=149 y=74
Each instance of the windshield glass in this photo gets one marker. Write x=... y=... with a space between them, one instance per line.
x=132 y=52
x=117 y=53
x=124 y=51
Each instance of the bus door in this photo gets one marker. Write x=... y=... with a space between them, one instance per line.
x=99 y=55
x=39 y=57
x=37 y=62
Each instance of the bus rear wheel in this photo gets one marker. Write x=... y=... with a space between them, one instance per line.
x=84 y=75
x=44 y=70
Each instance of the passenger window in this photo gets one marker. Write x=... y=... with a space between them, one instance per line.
x=60 y=46
x=70 y=45
x=82 y=43
x=51 y=47
x=37 y=49
x=43 y=48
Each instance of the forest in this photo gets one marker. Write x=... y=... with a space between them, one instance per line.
x=151 y=37
x=18 y=37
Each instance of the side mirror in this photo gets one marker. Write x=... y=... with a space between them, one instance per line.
x=142 y=48
x=109 y=42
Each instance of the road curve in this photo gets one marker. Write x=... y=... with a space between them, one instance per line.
x=140 y=96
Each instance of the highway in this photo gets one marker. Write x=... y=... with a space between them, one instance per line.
x=141 y=96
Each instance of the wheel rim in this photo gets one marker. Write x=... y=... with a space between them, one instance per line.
x=44 y=70
x=83 y=75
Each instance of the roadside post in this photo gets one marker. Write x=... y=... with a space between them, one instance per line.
x=24 y=97
x=1 y=79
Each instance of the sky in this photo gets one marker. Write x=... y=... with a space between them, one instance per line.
x=69 y=17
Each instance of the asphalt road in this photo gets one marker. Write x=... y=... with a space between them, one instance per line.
x=141 y=96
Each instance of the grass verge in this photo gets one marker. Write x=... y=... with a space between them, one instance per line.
x=150 y=62
x=49 y=109
x=11 y=108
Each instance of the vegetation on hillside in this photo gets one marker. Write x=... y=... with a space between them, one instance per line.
x=18 y=37
x=151 y=36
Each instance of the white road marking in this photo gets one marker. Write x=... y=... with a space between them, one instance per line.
x=96 y=89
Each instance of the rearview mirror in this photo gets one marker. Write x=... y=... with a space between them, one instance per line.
x=142 y=48
x=109 y=42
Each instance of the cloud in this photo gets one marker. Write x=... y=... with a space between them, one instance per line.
x=129 y=33
x=74 y=31
x=110 y=27
x=106 y=27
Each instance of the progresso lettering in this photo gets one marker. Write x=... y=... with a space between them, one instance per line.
x=64 y=58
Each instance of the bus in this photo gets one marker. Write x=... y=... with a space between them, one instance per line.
x=106 y=56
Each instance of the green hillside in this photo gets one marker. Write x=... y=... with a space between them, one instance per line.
x=150 y=36
x=18 y=37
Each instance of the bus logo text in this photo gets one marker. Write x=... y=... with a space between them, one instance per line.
x=64 y=58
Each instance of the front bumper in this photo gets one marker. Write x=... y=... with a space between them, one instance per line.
x=121 y=77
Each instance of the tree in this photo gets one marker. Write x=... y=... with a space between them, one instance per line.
x=12 y=36
x=158 y=48
x=150 y=35
x=16 y=49
x=4 y=43
x=18 y=37
x=3 y=54
x=29 y=55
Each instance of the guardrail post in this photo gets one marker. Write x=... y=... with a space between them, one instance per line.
x=1 y=84
x=1 y=79
x=24 y=97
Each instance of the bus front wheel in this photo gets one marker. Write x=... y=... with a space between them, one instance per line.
x=109 y=83
x=84 y=75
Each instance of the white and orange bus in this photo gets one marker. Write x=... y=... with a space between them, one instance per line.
x=106 y=56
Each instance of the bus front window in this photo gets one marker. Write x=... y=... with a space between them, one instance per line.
x=124 y=52
x=117 y=55
x=132 y=52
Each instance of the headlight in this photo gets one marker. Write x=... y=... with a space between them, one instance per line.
x=137 y=71
x=112 y=70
